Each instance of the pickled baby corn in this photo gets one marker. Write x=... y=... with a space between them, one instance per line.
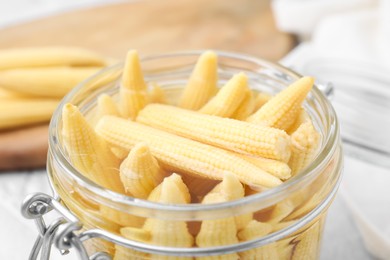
x=282 y=110
x=202 y=85
x=140 y=172
x=276 y=168
x=137 y=234
x=282 y=210
x=106 y=106
x=183 y=155
x=302 y=118
x=157 y=94
x=246 y=107
x=132 y=91
x=51 y=82
x=226 y=133
x=88 y=152
x=48 y=56
x=217 y=232
x=18 y=112
x=168 y=232
x=261 y=99
x=305 y=141
x=253 y=230
x=229 y=98
x=307 y=243
x=231 y=189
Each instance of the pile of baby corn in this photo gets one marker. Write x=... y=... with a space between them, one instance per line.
x=34 y=80
x=210 y=147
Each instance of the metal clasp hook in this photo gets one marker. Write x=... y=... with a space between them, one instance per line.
x=60 y=232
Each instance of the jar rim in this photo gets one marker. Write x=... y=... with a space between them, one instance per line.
x=325 y=154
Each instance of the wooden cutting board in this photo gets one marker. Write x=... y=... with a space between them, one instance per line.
x=245 y=26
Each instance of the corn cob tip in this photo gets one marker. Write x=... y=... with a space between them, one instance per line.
x=132 y=73
x=206 y=65
x=230 y=187
x=305 y=136
x=173 y=190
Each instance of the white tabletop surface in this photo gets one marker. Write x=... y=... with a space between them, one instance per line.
x=341 y=239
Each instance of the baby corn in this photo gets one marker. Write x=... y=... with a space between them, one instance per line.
x=305 y=141
x=261 y=99
x=157 y=94
x=140 y=172
x=231 y=189
x=106 y=106
x=307 y=243
x=168 y=232
x=202 y=84
x=303 y=117
x=226 y=133
x=283 y=109
x=246 y=107
x=132 y=91
x=183 y=155
x=217 y=232
x=48 y=56
x=52 y=82
x=282 y=210
x=276 y=168
x=121 y=218
x=228 y=99
x=88 y=152
x=254 y=230
x=18 y=112
x=137 y=234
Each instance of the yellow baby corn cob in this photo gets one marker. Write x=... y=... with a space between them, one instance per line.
x=121 y=218
x=217 y=232
x=228 y=99
x=137 y=234
x=132 y=92
x=276 y=168
x=202 y=84
x=307 y=243
x=234 y=135
x=157 y=94
x=261 y=99
x=282 y=210
x=254 y=230
x=52 y=82
x=302 y=118
x=175 y=178
x=282 y=110
x=18 y=112
x=106 y=106
x=305 y=141
x=140 y=172
x=231 y=189
x=7 y=95
x=88 y=152
x=183 y=155
x=167 y=232
x=48 y=56
x=306 y=205
x=246 y=107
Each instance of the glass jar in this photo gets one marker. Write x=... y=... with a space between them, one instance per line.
x=296 y=210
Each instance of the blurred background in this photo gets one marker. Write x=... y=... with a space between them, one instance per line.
x=344 y=44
